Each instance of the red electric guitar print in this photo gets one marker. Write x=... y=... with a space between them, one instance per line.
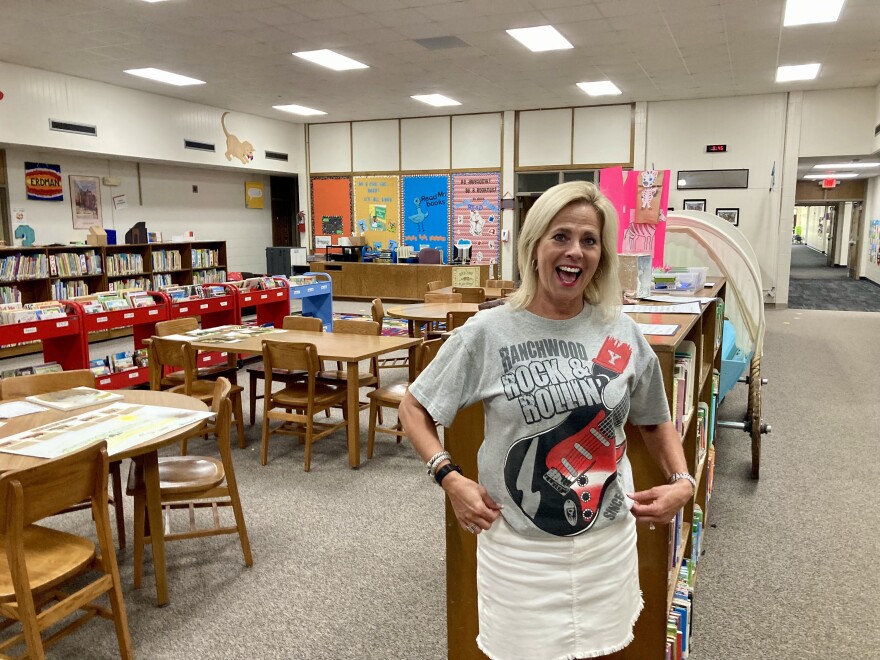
x=559 y=477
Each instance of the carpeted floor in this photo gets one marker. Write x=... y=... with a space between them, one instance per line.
x=815 y=285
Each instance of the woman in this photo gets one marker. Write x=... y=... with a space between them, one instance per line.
x=559 y=370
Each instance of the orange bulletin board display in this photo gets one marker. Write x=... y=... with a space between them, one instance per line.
x=331 y=207
x=377 y=210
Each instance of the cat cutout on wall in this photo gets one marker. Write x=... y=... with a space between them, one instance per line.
x=243 y=150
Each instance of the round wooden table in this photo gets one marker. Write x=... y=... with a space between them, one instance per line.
x=422 y=313
x=145 y=456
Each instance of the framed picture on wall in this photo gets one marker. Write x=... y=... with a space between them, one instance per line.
x=85 y=201
x=731 y=215
x=694 y=205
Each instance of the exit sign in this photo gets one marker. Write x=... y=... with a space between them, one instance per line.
x=716 y=148
x=829 y=183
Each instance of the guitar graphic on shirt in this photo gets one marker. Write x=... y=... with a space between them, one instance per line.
x=559 y=477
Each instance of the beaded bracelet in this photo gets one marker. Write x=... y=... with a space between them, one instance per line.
x=435 y=460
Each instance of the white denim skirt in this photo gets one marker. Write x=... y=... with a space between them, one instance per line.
x=557 y=598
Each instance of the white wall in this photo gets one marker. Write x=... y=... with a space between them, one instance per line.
x=838 y=122
x=168 y=203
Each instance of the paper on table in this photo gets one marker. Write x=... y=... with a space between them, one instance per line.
x=689 y=308
x=658 y=329
x=19 y=408
x=122 y=425
x=679 y=299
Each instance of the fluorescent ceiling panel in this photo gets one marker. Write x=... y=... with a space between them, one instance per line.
x=165 y=77
x=835 y=175
x=437 y=100
x=805 y=12
x=844 y=166
x=331 y=59
x=599 y=88
x=299 y=109
x=797 y=72
x=541 y=38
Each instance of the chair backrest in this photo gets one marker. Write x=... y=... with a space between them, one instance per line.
x=290 y=356
x=430 y=255
x=222 y=388
x=470 y=294
x=436 y=284
x=22 y=386
x=352 y=327
x=499 y=284
x=171 y=353
x=307 y=323
x=377 y=309
x=426 y=352
x=32 y=494
x=506 y=291
x=176 y=326
x=457 y=319
x=442 y=297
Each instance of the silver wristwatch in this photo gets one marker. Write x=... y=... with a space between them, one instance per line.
x=678 y=476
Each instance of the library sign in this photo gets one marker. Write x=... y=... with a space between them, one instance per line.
x=43 y=182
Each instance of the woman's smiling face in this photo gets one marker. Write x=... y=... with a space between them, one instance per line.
x=567 y=256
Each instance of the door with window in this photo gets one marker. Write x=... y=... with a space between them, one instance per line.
x=855 y=233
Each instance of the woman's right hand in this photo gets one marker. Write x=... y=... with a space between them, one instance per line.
x=470 y=502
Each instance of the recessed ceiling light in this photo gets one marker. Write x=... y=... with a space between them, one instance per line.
x=541 y=38
x=331 y=59
x=437 y=100
x=797 y=72
x=835 y=175
x=834 y=166
x=299 y=109
x=804 y=12
x=165 y=77
x=599 y=88
x=154 y=0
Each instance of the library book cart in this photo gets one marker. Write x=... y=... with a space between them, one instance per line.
x=659 y=558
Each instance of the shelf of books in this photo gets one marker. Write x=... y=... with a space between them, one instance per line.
x=214 y=304
x=669 y=555
x=316 y=292
x=57 y=326
x=268 y=296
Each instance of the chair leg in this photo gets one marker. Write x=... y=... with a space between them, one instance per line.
x=140 y=520
x=232 y=485
x=120 y=621
x=239 y=419
x=118 y=511
x=308 y=459
x=264 y=451
x=253 y=397
x=375 y=408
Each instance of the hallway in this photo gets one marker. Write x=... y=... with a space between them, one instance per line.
x=813 y=285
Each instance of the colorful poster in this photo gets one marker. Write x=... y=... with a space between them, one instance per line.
x=425 y=204
x=641 y=199
x=874 y=243
x=43 y=181
x=476 y=216
x=331 y=207
x=377 y=210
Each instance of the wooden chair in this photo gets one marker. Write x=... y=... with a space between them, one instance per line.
x=36 y=561
x=506 y=291
x=212 y=372
x=443 y=297
x=298 y=402
x=390 y=396
x=340 y=375
x=436 y=284
x=181 y=356
x=22 y=386
x=378 y=312
x=499 y=284
x=307 y=323
x=470 y=294
x=193 y=482
x=457 y=319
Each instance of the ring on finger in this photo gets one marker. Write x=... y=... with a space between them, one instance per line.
x=473 y=528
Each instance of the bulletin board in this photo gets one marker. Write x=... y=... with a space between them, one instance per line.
x=476 y=214
x=331 y=207
x=377 y=210
x=425 y=204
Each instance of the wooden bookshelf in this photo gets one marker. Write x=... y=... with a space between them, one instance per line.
x=657 y=581
x=60 y=272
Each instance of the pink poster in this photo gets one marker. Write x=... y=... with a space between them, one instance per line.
x=476 y=217
x=641 y=199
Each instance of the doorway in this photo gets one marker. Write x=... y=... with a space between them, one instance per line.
x=284 y=192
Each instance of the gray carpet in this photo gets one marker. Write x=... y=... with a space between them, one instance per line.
x=350 y=563
x=814 y=285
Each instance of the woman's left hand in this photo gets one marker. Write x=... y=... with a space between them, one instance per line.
x=660 y=503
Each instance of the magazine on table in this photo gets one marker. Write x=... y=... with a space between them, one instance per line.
x=77 y=397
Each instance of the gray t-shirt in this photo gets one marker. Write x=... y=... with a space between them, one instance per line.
x=556 y=395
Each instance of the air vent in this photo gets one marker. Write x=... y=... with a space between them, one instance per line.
x=441 y=43
x=70 y=127
x=198 y=146
x=276 y=155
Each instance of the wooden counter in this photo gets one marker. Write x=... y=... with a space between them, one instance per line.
x=404 y=282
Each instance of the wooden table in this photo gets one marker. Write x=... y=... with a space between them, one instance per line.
x=145 y=456
x=492 y=293
x=337 y=346
x=421 y=313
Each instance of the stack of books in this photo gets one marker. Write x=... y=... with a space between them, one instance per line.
x=15 y=312
x=45 y=368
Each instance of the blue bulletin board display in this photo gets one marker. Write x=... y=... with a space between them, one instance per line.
x=424 y=200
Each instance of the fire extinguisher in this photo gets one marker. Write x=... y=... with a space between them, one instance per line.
x=301 y=221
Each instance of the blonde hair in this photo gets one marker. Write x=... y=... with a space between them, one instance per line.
x=603 y=291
